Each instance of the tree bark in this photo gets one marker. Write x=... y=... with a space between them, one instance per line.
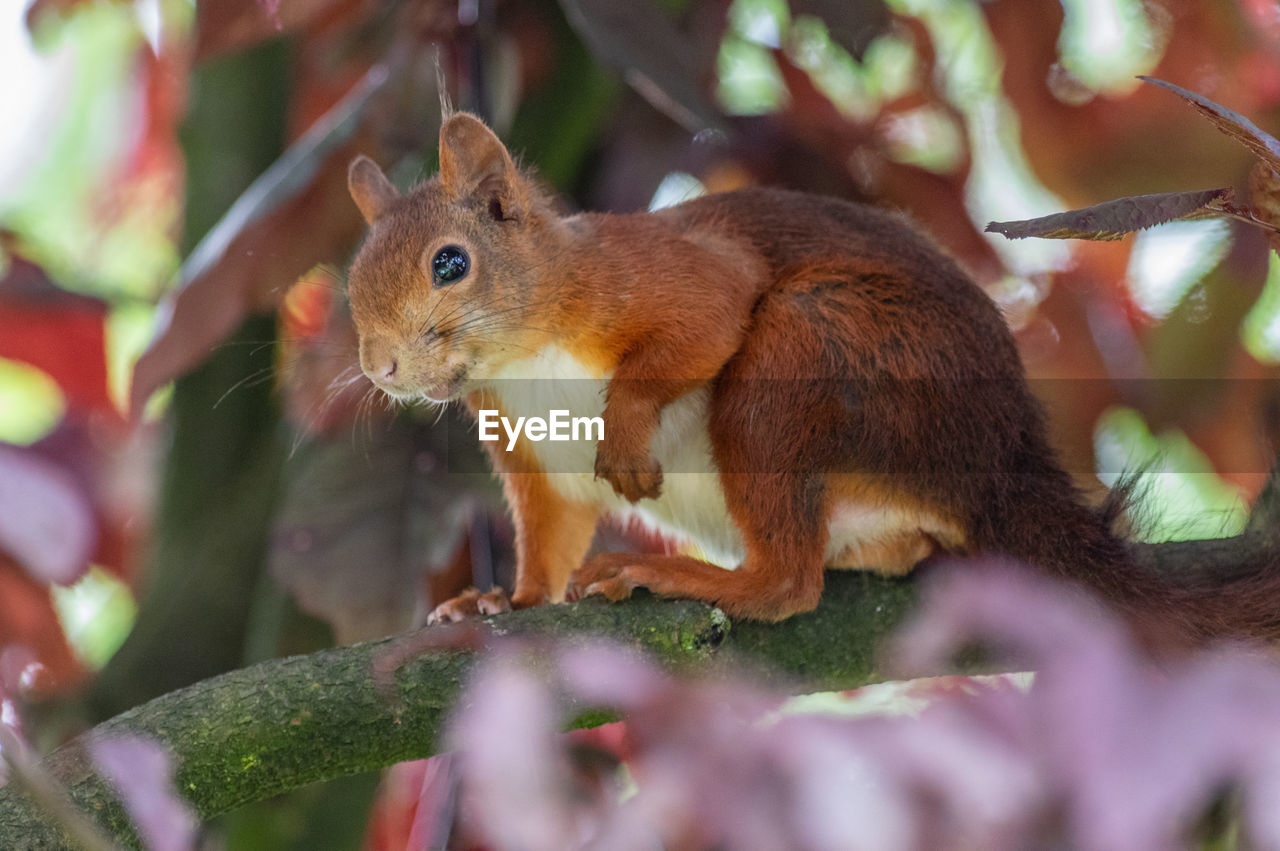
x=259 y=731
x=256 y=732
x=225 y=449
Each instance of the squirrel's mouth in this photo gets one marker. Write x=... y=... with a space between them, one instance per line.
x=446 y=390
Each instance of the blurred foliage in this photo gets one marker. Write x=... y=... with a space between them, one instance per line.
x=1188 y=501
x=96 y=614
x=88 y=212
x=1262 y=326
x=156 y=117
x=31 y=403
x=944 y=763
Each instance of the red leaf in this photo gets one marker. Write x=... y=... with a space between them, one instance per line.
x=236 y=24
x=295 y=215
x=59 y=332
x=27 y=620
x=319 y=374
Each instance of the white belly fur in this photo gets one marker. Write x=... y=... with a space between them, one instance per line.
x=691 y=507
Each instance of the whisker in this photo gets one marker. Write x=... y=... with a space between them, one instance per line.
x=253 y=379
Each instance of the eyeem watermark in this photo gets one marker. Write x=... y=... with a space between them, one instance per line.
x=558 y=425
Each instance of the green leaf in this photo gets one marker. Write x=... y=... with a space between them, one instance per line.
x=853 y=24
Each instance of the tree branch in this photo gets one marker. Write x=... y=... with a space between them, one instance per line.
x=263 y=730
x=259 y=731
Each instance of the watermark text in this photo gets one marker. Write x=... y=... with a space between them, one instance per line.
x=557 y=425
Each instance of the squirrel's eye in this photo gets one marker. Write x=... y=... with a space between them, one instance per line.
x=450 y=265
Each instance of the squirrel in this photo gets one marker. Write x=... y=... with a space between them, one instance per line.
x=788 y=382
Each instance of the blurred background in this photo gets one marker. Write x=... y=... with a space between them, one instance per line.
x=193 y=475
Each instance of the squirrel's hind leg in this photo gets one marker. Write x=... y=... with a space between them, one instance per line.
x=760 y=589
x=779 y=517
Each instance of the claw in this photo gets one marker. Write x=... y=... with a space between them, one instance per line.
x=606 y=574
x=469 y=604
x=631 y=479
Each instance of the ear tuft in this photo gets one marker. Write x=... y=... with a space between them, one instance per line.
x=475 y=163
x=442 y=87
x=370 y=189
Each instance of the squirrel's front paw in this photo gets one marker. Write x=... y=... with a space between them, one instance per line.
x=632 y=477
x=607 y=574
x=469 y=604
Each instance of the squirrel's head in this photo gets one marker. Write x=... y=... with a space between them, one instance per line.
x=441 y=290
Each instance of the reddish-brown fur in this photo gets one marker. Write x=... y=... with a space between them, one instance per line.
x=849 y=361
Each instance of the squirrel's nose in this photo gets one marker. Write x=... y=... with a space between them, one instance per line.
x=379 y=363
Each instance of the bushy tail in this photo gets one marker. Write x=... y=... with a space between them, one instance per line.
x=1180 y=593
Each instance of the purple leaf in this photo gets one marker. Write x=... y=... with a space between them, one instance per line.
x=1263 y=145
x=1113 y=219
x=512 y=762
x=659 y=61
x=46 y=519
x=1105 y=751
x=358 y=525
x=611 y=676
x=142 y=774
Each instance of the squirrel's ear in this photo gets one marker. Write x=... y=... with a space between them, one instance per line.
x=369 y=188
x=474 y=162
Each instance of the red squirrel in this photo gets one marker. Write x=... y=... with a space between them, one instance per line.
x=789 y=382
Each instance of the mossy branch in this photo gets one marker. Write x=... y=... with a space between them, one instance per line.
x=257 y=732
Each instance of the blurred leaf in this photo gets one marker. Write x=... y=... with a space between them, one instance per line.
x=296 y=214
x=1055 y=765
x=1260 y=330
x=235 y=24
x=31 y=403
x=1264 y=200
x=666 y=66
x=415 y=807
x=219 y=479
x=328 y=815
x=1177 y=496
x=318 y=368
x=1263 y=145
x=142 y=772
x=43 y=10
x=46 y=519
x=59 y=332
x=558 y=123
x=853 y=24
x=837 y=148
x=1113 y=219
x=28 y=621
x=96 y=614
x=296 y=171
x=361 y=523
